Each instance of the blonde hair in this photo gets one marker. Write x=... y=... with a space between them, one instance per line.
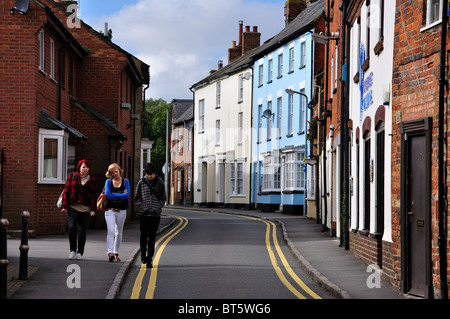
x=113 y=167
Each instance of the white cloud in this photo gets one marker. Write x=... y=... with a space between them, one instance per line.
x=182 y=40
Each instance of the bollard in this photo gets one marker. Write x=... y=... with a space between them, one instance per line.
x=3 y=258
x=23 y=267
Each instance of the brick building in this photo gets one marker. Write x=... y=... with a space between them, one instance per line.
x=416 y=107
x=181 y=150
x=67 y=93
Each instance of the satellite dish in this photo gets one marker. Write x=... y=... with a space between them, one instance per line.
x=267 y=114
x=22 y=6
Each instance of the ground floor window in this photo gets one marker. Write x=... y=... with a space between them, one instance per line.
x=271 y=173
x=237 y=178
x=294 y=173
x=53 y=156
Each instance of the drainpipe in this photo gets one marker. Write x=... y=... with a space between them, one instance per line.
x=442 y=241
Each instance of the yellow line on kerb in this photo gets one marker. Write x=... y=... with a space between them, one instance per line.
x=154 y=272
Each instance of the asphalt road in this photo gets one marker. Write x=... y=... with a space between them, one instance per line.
x=220 y=256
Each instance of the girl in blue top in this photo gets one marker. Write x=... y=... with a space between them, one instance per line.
x=117 y=190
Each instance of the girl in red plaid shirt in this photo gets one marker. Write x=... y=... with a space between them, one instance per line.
x=79 y=201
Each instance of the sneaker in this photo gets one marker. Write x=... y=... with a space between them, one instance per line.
x=72 y=255
x=78 y=256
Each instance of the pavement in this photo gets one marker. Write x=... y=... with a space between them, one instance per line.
x=50 y=275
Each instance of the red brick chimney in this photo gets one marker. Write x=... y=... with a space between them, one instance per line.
x=250 y=40
x=292 y=9
x=236 y=50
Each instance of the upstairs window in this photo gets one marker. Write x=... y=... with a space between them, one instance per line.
x=41 y=51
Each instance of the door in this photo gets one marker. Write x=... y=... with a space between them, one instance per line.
x=416 y=211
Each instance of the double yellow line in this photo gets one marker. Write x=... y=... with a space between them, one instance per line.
x=271 y=229
x=154 y=270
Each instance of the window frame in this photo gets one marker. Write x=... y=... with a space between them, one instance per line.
x=62 y=139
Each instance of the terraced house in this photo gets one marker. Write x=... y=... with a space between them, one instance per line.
x=67 y=93
x=286 y=70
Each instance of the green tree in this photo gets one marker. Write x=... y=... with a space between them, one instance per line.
x=154 y=124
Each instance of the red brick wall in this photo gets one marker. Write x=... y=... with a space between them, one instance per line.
x=416 y=95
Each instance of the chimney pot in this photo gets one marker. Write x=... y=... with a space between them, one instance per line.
x=247 y=28
x=255 y=29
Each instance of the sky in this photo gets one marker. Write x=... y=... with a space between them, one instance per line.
x=181 y=40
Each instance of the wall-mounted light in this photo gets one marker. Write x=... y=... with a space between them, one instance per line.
x=290 y=91
x=386 y=93
x=331 y=131
x=22 y=6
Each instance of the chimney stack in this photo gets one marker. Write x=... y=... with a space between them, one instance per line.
x=292 y=9
x=250 y=39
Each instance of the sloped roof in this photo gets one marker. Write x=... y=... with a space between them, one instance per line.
x=182 y=110
x=302 y=23
x=51 y=123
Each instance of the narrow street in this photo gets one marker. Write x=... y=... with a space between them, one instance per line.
x=220 y=256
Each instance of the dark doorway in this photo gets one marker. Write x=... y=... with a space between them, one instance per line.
x=416 y=207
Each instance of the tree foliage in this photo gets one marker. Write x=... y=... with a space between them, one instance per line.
x=154 y=124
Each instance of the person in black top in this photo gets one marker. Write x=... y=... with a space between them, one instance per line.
x=150 y=196
x=117 y=190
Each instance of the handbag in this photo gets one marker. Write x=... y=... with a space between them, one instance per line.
x=101 y=201
x=59 y=202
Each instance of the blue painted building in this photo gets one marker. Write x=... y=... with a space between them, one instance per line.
x=284 y=87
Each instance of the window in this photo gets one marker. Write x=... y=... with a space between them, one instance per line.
x=41 y=51
x=291 y=59
x=269 y=121
x=241 y=88
x=178 y=181
x=202 y=115
x=294 y=175
x=237 y=178
x=433 y=11
x=280 y=65
x=303 y=53
x=270 y=71
x=261 y=74
x=279 y=108
x=381 y=34
x=52 y=59
x=218 y=93
x=217 y=132
x=302 y=116
x=259 y=123
x=368 y=31
x=240 y=128
x=189 y=177
x=291 y=113
x=189 y=141
x=271 y=173
x=53 y=154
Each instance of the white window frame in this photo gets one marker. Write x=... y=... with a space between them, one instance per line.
x=240 y=127
x=201 y=116
x=280 y=64
x=270 y=71
x=261 y=74
x=41 y=50
x=302 y=112
x=62 y=139
x=269 y=121
x=217 y=132
x=52 y=59
x=189 y=177
x=279 y=110
x=291 y=58
x=271 y=180
x=218 y=94
x=241 y=88
x=178 y=181
x=290 y=113
x=431 y=12
x=237 y=173
x=302 y=52
x=294 y=175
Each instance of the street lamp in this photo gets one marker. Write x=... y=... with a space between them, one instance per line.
x=290 y=91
